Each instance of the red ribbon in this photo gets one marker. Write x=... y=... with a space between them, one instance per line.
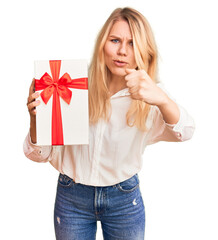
x=58 y=87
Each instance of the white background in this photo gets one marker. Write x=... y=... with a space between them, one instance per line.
x=178 y=180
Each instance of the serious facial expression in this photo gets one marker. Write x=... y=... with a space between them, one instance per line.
x=118 y=49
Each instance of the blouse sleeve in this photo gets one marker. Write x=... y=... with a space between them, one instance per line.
x=162 y=131
x=36 y=153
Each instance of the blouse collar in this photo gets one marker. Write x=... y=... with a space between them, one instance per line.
x=121 y=93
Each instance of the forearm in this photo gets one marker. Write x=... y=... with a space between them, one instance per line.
x=33 y=129
x=169 y=110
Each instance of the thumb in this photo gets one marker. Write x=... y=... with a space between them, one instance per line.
x=129 y=70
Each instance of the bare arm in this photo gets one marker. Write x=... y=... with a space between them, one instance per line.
x=31 y=105
x=169 y=110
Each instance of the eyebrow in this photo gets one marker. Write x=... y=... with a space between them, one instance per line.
x=115 y=36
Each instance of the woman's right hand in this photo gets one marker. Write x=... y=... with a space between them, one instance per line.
x=32 y=103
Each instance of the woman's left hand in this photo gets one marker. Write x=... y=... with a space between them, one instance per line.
x=141 y=87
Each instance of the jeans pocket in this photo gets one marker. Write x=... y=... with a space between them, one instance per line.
x=64 y=180
x=129 y=185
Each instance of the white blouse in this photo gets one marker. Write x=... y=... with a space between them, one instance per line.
x=115 y=150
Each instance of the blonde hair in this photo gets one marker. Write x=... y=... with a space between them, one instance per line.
x=145 y=51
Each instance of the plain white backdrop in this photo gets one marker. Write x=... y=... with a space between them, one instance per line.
x=179 y=180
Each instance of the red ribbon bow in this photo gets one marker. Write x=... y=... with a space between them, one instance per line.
x=58 y=87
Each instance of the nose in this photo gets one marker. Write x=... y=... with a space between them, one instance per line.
x=122 y=50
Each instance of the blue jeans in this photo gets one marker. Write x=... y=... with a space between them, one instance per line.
x=78 y=207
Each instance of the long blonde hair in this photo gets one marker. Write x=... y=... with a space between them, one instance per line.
x=145 y=51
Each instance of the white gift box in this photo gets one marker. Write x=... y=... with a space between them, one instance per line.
x=75 y=118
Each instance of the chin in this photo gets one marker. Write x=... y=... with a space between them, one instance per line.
x=119 y=72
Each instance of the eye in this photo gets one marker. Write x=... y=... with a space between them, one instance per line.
x=114 y=40
x=131 y=43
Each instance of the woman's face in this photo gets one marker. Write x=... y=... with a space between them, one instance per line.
x=118 y=49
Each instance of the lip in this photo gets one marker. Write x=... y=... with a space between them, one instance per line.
x=119 y=63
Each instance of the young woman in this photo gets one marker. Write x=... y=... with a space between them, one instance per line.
x=128 y=111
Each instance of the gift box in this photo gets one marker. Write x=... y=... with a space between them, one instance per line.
x=62 y=116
